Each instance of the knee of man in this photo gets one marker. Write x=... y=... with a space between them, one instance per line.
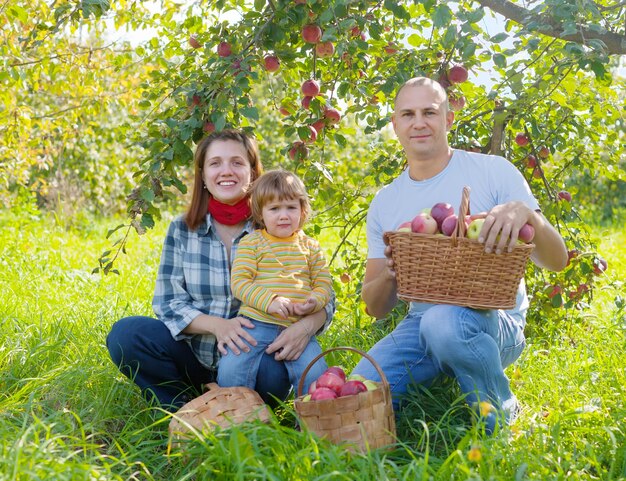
x=440 y=329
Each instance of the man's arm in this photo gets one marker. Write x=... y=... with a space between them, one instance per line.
x=379 y=286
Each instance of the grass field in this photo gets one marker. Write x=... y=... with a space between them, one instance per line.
x=67 y=414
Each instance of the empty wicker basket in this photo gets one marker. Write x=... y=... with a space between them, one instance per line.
x=362 y=421
x=219 y=407
x=456 y=270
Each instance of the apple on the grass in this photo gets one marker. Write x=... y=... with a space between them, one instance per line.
x=424 y=224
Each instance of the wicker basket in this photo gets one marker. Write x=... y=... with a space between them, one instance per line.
x=361 y=421
x=456 y=270
x=219 y=406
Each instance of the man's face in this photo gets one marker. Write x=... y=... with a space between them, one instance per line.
x=421 y=121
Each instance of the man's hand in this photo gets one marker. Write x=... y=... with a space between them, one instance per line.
x=502 y=224
x=281 y=306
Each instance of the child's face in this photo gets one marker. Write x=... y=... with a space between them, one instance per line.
x=282 y=217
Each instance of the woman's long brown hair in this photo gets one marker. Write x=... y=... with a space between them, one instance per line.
x=196 y=213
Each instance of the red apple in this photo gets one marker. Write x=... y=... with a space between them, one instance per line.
x=449 y=224
x=332 y=115
x=600 y=265
x=351 y=388
x=564 y=195
x=554 y=290
x=284 y=111
x=537 y=172
x=298 y=151
x=526 y=233
x=319 y=125
x=404 y=227
x=310 y=88
x=423 y=223
x=330 y=380
x=325 y=49
x=440 y=211
x=521 y=139
x=456 y=102
x=312 y=387
x=272 y=63
x=457 y=74
x=193 y=41
x=306 y=102
x=391 y=48
x=323 y=393
x=338 y=370
x=224 y=49
x=543 y=152
x=571 y=254
x=208 y=127
x=530 y=161
x=311 y=33
x=345 y=278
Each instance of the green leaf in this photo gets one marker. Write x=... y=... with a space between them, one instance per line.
x=250 y=112
x=499 y=60
x=500 y=37
x=442 y=16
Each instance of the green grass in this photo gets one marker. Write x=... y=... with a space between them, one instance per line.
x=67 y=414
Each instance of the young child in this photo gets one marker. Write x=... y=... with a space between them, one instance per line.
x=280 y=275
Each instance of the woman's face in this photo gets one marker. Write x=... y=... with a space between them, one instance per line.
x=227 y=172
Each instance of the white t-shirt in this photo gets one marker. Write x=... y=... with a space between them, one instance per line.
x=492 y=180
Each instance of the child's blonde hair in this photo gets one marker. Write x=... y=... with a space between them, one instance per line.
x=278 y=185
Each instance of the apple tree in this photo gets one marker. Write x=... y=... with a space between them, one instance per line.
x=314 y=80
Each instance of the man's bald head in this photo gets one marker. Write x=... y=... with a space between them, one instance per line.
x=425 y=82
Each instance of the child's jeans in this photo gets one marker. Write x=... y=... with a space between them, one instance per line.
x=241 y=370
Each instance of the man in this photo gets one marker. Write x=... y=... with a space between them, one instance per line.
x=473 y=346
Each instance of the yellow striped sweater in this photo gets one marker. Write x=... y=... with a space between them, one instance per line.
x=266 y=267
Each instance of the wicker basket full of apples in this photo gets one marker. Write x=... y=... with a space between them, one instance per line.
x=438 y=259
x=348 y=410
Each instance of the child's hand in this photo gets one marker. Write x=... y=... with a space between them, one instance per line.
x=304 y=308
x=282 y=307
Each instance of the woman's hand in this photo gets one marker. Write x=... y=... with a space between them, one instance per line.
x=232 y=333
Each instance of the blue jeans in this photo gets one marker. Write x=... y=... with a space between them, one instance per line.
x=242 y=369
x=473 y=346
x=168 y=372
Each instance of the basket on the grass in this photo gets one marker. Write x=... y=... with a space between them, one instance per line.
x=364 y=420
x=219 y=406
x=456 y=270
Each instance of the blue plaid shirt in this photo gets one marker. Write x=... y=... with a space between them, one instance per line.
x=194 y=279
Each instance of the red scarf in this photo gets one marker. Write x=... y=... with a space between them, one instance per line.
x=229 y=214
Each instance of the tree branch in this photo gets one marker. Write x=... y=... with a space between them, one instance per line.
x=615 y=43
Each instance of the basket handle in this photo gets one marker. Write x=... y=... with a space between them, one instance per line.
x=460 y=229
x=346 y=348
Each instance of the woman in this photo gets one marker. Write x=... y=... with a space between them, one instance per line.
x=171 y=357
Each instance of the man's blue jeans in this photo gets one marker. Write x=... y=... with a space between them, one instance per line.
x=473 y=346
x=144 y=350
x=242 y=369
